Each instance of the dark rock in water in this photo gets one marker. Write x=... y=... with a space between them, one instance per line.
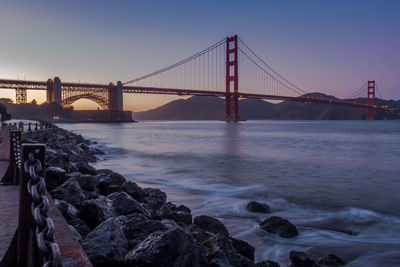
x=268 y=264
x=54 y=177
x=59 y=159
x=109 y=182
x=301 y=259
x=106 y=188
x=243 y=248
x=69 y=191
x=280 y=226
x=107 y=245
x=154 y=198
x=85 y=168
x=173 y=247
x=87 y=182
x=133 y=190
x=171 y=211
x=138 y=228
x=80 y=226
x=95 y=211
x=332 y=260
x=209 y=224
x=255 y=206
x=111 y=177
x=67 y=210
x=124 y=204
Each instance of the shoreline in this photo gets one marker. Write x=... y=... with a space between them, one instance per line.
x=101 y=203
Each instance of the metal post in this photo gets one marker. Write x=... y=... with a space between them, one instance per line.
x=29 y=127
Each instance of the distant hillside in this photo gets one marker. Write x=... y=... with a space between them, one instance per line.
x=213 y=108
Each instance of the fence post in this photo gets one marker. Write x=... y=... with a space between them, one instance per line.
x=29 y=127
x=21 y=126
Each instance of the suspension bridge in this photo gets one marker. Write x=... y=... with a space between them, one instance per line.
x=229 y=69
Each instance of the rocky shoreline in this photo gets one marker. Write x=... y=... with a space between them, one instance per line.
x=119 y=223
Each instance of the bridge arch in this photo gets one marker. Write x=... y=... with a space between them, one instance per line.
x=100 y=100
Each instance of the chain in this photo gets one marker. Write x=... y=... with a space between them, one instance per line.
x=40 y=206
x=16 y=145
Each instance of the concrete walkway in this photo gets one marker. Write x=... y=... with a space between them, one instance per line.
x=8 y=212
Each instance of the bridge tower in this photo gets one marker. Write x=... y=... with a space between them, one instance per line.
x=115 y=96
x=53 y=91
x=21 y=96
x=231 y=79
x=371 y=100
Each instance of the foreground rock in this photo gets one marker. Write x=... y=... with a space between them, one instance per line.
x=209 y=224
x=243 y=248
x=331 y=260
x=69 y=191
x=280 y=226
x=124 y=205
x=95 y=211
x=268 y=264
x=255 y=206
x=301 y=259
x=107 y=245
x=181 y=214
x=173 y=247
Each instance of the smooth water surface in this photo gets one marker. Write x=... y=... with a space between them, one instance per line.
x=337 y=181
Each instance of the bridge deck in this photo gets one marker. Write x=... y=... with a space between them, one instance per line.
x=8 y=212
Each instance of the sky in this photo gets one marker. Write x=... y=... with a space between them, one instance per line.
x=332 y=47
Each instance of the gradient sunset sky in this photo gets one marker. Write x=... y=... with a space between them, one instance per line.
x=332 y=47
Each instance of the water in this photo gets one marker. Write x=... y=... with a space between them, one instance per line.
x=337 y=181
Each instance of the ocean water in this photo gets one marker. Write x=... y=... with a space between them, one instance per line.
x=337 y=181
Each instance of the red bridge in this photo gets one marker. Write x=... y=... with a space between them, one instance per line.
x=211 y=72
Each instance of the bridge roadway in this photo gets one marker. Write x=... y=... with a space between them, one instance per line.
x=41 y=85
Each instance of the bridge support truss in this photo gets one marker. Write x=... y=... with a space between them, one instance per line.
x=21 y=95
x=371 y=100
x=232 y=81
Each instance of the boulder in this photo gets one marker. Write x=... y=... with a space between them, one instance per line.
x=173 y=247
x=69 y=191
x=180 y=215
x=54 y=177
x=106 y=188
x=280 y=226
x=268 y=264
x=154 y=198
x=57 y=158
x=243 y=248
x=255 y=206
x=76 y=233
x=67 y=210
x=90 y=195
x=87 y=182
x=80 y=226
x=95 y=211
x=301 y=259
x=133 y=190
x=111 y=177
x=209 y=224
x=138 y=228
x=85 y=168
x=124 y=204
x=107 y=245
x=332 y=260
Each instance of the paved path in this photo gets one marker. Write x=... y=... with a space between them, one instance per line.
x=8 y=211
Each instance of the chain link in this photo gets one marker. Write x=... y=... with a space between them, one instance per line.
x=40 y=206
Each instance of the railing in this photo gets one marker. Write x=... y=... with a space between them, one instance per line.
x=33 y=243
x=30 y=127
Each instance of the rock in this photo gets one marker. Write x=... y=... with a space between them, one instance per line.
x=154 y=198
x=138 y=228
x=255 y=206
x=210 y=224
x=54 y=177
x=111 y=177
x=243 y=248
x=107 y=245
x=170 y=211
x=90 y=195
x=80 y=226
x=133 y=190
x=76 y=233
x=280 y=226
x=87 y=182
x=95 y=211
x=173 y=247
x=301 y=259
x=59 y=159
x=332 y=260
x=124 y=204
x=85 y=168
x=69 y=191
x=268 y=264
x=67 y=210
x=106 y=188
x=113 y=196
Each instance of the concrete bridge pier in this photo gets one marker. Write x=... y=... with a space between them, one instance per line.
x=115 y=101
x=53 y=92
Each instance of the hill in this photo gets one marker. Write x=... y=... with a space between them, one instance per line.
x=213 y=108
